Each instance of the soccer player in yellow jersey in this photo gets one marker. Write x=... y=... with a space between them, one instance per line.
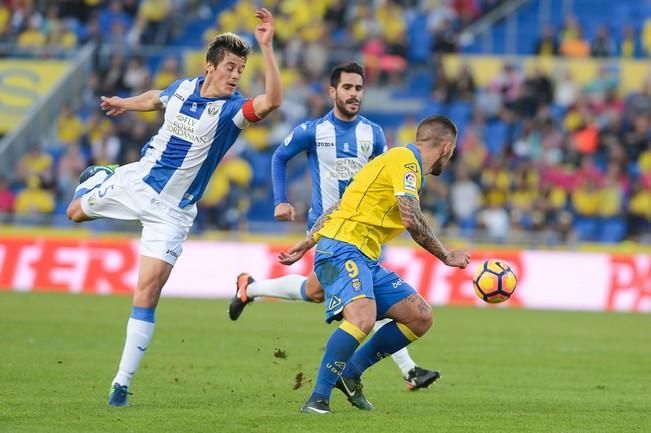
x=381 y=202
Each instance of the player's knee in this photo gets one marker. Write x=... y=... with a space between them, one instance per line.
x=316 y=297
x=364 y=323
x=75 y=213
x=422 y=323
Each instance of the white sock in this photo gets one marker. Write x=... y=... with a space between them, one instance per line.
x=287 y=287
x=91 y=182
x=139 y=333
x=401 y=357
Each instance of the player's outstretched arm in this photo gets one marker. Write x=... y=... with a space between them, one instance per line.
x=414 y=221
x=295 y=253
x=273 y=96
x=148 y=101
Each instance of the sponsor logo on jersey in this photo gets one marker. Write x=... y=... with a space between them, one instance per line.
x=325 y=144
x=172 y=253
x=178 y=96
x=346 y=168
x=411 y=166
x=288 y=139
x=410 y=182
x=213 y=108
x=365 y=145
x=335 y=301
x=397 y=283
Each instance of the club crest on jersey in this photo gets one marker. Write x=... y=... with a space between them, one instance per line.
x=194 y=107
x=357 y=285
x=365 y=145
x=346 y=147
x=213 y=108
x=410 y=182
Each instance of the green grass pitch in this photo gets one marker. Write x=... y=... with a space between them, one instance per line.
x=503 y=371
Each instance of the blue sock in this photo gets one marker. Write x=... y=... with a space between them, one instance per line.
x=387 y=340
x=340 y=347
x=143 y=313
x=303 y=294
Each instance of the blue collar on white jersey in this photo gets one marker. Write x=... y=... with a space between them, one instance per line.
x=416 y=152
x=343 y=123
x=197 y=91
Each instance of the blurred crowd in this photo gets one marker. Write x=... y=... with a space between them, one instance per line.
x=539 y=157
x=570 y=40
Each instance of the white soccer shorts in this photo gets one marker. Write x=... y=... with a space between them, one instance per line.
x=125 y=196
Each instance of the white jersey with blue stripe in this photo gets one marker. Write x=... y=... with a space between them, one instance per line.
x=336 y=151
x=194 y=137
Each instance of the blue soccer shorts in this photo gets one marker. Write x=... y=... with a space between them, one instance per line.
x=346 y=274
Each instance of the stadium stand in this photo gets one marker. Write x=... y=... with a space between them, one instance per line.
x=549 y=152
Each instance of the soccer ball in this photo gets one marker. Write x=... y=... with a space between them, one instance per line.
x=494 y=281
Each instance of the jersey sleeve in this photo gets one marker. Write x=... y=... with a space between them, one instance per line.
x=167 y=93
x=297 y=141
x=404 y=170
x=380 y=142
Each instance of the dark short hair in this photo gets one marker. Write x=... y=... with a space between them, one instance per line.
x=443 y=126
x=350 y=67
x=227 y=43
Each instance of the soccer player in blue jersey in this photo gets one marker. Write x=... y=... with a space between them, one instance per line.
x=338 y=145
x=203 y=118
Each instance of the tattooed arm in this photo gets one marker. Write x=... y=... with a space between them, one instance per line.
x=414 y=221
x=320 y=222
x=299 y=250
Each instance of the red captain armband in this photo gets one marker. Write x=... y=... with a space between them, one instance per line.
x=249 y=112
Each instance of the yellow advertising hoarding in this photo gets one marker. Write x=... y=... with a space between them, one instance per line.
x=22 y=84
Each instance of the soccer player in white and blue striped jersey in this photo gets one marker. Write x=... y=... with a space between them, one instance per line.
x=338 y=145
x=203 y=118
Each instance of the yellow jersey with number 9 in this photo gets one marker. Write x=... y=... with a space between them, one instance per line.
x=368 y=215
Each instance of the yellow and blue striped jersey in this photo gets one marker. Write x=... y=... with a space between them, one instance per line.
x=368 y=215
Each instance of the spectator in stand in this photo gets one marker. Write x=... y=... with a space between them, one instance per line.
x=566 y=91
x=602 y=45
x=69 y=167
x=32 y=37
x=136 y=75
x=465 y=199
x=573 y=44
x=407 y=131
x=7 y=201
x=464 y=87
x=445 y=39
x=646 y=37
x=628 y=43
x=440 y=12
x=636 y=139
x=547 y=44
x=34 y=201
x=70 y=127
x=36 y=163
x=639 y=211
x=167 y=74
x=112 y=16
x=154 y=14
x=508 y=84
x=496 y=221
x=5 y=18
x=639 y=103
